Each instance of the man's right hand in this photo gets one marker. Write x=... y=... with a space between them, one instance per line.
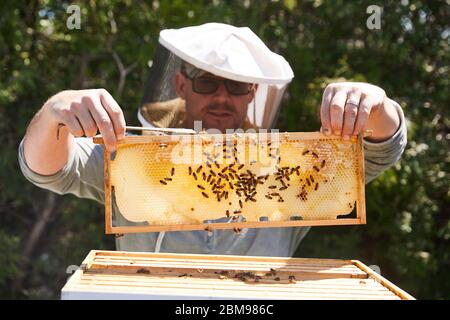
x=86 y=112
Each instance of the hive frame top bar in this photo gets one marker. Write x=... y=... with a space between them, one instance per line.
x=133 y=140
x=166 y=138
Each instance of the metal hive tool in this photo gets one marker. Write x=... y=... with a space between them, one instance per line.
x=250 y=180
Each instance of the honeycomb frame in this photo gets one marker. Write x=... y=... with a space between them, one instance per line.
x=315 y=139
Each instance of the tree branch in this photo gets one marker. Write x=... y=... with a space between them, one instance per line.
x=123 y=71
x=38 y=230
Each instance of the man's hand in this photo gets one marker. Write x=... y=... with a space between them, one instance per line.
x=86 y=112
x=351 y=107
x=69 y=114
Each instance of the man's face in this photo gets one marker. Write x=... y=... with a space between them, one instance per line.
x=217 y=110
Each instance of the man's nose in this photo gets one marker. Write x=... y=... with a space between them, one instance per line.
x=221 y=92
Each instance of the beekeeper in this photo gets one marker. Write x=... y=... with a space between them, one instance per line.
x=225 y=77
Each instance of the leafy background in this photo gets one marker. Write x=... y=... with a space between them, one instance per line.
x=408 y=230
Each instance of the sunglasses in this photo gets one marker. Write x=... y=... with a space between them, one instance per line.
x=209 y=85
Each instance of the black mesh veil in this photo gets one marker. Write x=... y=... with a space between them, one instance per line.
x=164 y=66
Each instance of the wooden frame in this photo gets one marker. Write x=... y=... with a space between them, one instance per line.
x=119 y=230
x=139 y=275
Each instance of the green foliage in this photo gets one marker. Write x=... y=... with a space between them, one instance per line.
x=408 y=228
x=9 y=258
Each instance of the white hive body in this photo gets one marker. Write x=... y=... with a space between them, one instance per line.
x=154 y=276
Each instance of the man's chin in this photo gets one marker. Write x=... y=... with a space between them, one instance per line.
x=217 y=129
x=218 y=123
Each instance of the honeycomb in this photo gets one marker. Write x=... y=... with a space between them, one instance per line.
x=190 y=179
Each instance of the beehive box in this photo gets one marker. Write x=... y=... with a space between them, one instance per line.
x=132 y=275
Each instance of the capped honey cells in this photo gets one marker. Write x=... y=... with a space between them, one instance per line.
x=279 y=180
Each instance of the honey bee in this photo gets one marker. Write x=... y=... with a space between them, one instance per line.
x=292 y=279
x=143 y=271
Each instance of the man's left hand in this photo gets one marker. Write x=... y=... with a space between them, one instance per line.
x=351 y=107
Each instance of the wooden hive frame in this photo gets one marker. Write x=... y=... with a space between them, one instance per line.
x=130 y=140
x=138 y=275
